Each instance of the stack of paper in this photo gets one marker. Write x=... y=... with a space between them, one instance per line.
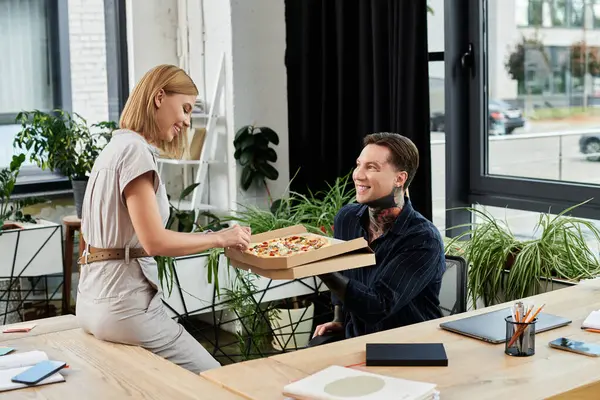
x=592 y=321
x=14 y=364
x=340 y=383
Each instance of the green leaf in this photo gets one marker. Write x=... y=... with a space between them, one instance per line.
x=241 y=134
x=270 y=135
x=188 y=190
x=247 y=178
x=268 y=171
x=237 y=153
x=268 y=155
x=246 y=157
x=247 y=143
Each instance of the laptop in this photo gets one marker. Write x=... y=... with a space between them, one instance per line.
x=491 y=327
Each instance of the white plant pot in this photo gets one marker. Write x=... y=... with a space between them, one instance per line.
x=299 y=321
x=33 y=250
x=29 y=250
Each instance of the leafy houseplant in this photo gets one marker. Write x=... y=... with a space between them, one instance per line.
x=254 y=154
x=499 y=262
x=316 y=211
x=254 y=332
x=60 y=141
x=12 y=210
x=187 y=221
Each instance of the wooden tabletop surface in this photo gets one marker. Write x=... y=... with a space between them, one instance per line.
x=42 y=326
x=477 y=370
x=103 y=370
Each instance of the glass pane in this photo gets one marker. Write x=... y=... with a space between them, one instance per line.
x=543 y=115
x=438 y=143
x=435 y=25
x=524 y=224
x=25 y=75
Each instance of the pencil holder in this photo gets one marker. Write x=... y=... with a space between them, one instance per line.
x=520 y=338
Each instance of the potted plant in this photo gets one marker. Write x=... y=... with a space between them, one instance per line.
x=254 y=155
x=505 y=268
x=11 y=211
x=293 y=327
x=60 y=141
x=29 y=247
x=252 y=324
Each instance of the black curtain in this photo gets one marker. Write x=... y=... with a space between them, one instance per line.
x=355 y=67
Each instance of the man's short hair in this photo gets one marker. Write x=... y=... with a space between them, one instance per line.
x=404 y=153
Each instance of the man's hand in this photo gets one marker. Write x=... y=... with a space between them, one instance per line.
x=332 y=326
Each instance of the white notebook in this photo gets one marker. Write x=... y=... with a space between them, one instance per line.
x=592 y=320
x=14 y=364
x=340 y=383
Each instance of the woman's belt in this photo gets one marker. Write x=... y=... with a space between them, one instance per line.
x=95 y=254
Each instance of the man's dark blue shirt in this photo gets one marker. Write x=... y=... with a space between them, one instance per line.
x=403 y=287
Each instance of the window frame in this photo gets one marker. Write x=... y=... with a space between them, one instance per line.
x=522 y=193
x=58 y=22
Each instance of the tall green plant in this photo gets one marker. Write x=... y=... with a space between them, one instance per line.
x=61 y=141
x=316 y=211
x=254 y=324
x=559 y=250
x=255 y=156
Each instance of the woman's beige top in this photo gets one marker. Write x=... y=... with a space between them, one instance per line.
x=105 y=219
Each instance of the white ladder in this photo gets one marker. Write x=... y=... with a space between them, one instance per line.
x=208 y=155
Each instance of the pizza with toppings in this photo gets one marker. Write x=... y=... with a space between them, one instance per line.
x=288 y=245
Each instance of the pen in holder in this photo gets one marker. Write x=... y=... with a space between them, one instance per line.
x=520 y=337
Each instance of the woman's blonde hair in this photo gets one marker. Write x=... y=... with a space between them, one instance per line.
x=139 y=113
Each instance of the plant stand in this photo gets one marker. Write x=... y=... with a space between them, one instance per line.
x=258 y=329
x=31 y=255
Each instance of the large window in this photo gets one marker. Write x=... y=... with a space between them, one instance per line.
x=534 y=109
x=68 y=55
x=26 y=75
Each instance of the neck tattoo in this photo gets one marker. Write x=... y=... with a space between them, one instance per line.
x=383 y=213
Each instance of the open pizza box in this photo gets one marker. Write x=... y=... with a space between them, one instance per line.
x=339 y=255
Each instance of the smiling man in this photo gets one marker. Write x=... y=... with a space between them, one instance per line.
x=403 y=287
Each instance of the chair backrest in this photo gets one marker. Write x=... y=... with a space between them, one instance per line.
x=453 y=294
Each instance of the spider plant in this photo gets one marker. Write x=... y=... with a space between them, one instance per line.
x=316 y=211
x=501 y=263
x=319 y=209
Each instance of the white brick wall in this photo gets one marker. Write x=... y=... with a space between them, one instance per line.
x=88 y=59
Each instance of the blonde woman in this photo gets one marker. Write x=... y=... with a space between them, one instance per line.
x=123 y=222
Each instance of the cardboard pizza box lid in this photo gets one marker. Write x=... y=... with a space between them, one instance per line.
x=333 y=264
x=337 y=248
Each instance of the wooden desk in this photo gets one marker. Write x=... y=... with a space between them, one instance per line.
x=476 y=370
x=102 y=370
x=43 y=326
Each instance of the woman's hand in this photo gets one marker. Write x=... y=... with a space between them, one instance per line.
x=237 y=237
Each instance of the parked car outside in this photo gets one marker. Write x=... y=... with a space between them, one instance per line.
x=590 y=144
x=502 y=119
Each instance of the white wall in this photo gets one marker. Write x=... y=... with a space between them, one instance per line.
x=88 y=59
x=260 y=77
x=251 y=34
x=151 y=35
